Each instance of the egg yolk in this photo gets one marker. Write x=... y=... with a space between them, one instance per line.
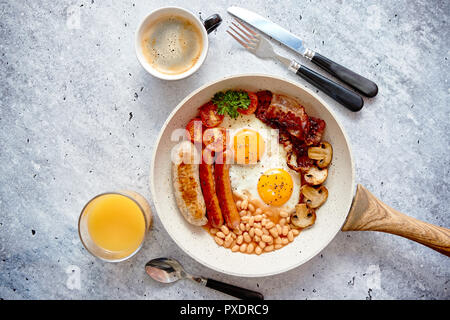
x=275 y=187
x=248 y=146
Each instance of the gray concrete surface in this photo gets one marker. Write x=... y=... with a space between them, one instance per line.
x=79 y=116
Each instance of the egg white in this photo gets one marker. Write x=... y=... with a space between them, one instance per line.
x=244 y=177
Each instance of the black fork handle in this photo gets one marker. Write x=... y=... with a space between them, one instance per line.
x=344 y=96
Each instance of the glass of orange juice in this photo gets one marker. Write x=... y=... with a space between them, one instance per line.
x=112 y=226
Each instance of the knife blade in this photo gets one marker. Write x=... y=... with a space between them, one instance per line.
x=356 y=81
x=271 y=29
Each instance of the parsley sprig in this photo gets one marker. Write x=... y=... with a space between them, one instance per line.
x=230 y=101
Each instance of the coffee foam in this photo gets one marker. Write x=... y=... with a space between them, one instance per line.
x=172 y=44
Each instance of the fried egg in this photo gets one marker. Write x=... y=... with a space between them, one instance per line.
x=259 y=166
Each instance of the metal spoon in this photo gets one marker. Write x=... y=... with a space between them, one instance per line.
x=168 y=270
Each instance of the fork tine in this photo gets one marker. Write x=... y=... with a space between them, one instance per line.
x=240 y=35
x=239 y=40
x=246 y=28
x=243 y=31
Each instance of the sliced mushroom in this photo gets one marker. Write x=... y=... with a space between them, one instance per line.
x=314 y=176
x=323 y=154
x=303 y=217
x=314 y=197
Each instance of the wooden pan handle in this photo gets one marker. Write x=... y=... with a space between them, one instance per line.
x=370 y=214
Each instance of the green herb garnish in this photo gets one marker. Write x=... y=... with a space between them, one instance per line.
x=230 y=101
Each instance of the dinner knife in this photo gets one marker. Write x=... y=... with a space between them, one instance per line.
x=356 y=81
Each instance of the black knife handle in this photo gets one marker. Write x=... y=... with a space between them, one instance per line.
x=234 y=291
x=344 y=96
x=356 y=81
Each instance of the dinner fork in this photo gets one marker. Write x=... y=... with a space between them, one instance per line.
x=262 y=48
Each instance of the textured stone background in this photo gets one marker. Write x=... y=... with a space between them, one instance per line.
x=79 y=116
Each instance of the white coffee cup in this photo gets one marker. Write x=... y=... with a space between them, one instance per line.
x=205 y=27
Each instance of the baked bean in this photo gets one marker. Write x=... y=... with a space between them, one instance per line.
x=220 y=235
x=265 y=231
x=243 y=247
x=278 y=240
x=251 y=232
x=258 y=218
x=258 y=232
x=278 y=246
x=245 y=219
x=238 y=203
x=267 y=238
x=257 y=225
x=213 y=230
x=257 y=238
x=285 y=231
x=251 y=221
x=262 y=244
x=258 y=250
x=242 y=226
x=278 y=228
x=264 y=222
x=218 y=240
x=284 y=241
x=225 y=229
x=269 y=225
x=228 y=242
x=290 y=236
x=244 y=204
x=296 y=232
x=235 y=248
x=282 y=222
x=251 y=207
x=274 y=232
x=239 y=239
x=268 y=248
x=250 y=248
x=284 y=214
x=242 y=213
x=258 y=211
x=233 y=235
x=247 y=237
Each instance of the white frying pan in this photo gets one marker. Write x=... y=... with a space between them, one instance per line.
x=342 y=211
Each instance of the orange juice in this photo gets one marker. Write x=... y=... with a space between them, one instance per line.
x=116 y=223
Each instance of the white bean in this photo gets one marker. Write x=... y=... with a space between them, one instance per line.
x=220 y=235
x=244 y=204
x=290 y=236
x=225 y=229
x=274 y=232
x=267 y=238
x=284 y=214
x=218 y=240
